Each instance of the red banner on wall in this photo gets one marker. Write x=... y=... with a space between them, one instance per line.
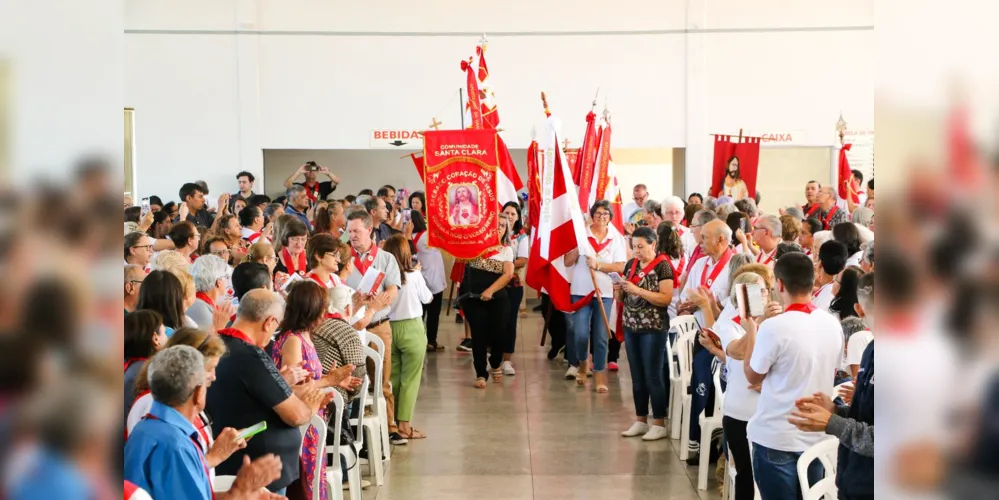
x=460 y=175
x=741 y=157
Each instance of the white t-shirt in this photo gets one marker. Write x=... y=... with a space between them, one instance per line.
x=505 y=255
x=740 y=400
x=411 y=297
x=855 y=347
x=687 y=239
x=767 y=259
x=676 y=282
x=854 y=260
x=615 y=251
x=719 y=287
x=521 y=247
x=431 y=264
x=799 y=353
x=823 y=297
x=253 y=236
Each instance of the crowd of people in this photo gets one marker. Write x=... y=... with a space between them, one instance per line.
x=252 y=311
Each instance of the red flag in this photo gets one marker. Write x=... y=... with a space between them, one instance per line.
x=964 y=162
x=747 y=150
x=534 y=187
x=560 y=230
x=605 y=185
x=418 y=163
x=845 y=174
x=586 y=161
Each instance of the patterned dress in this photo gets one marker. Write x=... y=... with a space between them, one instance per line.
x=310 y=447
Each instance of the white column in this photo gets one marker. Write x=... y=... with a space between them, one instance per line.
x=251 y=157
x=697 y=169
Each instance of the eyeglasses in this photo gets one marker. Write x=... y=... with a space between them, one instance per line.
x=147 y=247
x=602 y=214
x=220 y=253
x=134 y=281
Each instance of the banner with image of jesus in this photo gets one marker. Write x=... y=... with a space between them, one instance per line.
x=460 y=176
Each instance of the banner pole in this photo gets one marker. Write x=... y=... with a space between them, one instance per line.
x=461 y=106
x=603 y=312
x=450 y=298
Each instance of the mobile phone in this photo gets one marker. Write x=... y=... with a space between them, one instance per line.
x=616 y=278
x=145 y=206
x=749 y=299
x=407 y=215
x=253 y=430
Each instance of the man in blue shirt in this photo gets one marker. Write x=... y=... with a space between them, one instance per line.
x=298 y=203
x=163 y=455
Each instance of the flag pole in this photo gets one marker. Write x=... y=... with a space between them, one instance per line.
x=461 y=106
x=603 y=312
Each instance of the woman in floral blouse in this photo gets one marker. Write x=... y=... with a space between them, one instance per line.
x=646 y=293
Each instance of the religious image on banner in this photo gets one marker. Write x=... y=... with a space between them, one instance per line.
x=460 y=169
x=735 y=167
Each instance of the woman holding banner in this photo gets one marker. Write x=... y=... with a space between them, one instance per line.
x=587 y=324
x=486 y=305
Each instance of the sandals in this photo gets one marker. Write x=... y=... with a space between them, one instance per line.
x=497 y=375
x=602 y=389
x=600 y=379
x=413 y=434
x=480 y=383
x=434 y=347
x=581 y=374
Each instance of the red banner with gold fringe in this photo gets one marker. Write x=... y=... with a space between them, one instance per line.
x=460 y=169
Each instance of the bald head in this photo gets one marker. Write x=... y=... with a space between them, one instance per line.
x=259 y=315
x=715 y=237
x=827 y=197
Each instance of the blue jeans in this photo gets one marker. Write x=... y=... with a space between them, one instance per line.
x=646 y=354
x=776 y=473
x=702 y=390
x=587 y=325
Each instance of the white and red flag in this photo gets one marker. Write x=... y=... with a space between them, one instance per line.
x=560 y=228
x=482 y=113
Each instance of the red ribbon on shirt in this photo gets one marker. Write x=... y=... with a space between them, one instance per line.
x=206 y=299
x=416 y=237
x=829 y=216
x=707 y=280
x=599 y=247
x=130 y=361
x=770 y=257
x=315 y=277
x=819 y=291
x=363 y=265
x=236 y=334
x=806 y=308
x=676 y=271
x=491 y=253
x=811 y=209
x=312 y=191
x=291 y=267
x=636 y=276
x=694 y=257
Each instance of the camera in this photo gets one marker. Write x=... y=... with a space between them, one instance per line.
x=313 y=166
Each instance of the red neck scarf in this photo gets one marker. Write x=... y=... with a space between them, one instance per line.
x=636 y=276
x=694 y=257
x=806 y=308
x=769 y=257
x=599 y=247
x=325 y=284
x=362 y=265
x=130 y=361
x=819 y=291
x=312 y=191
x=291 y=266
x=490 y=253
x=829 y=216
x=708 y=280
x=899 y=324
x=417 y=236
x=236 y=334
x=206 y=299
x=811 y=209
x=677 y=269
x=335 y=316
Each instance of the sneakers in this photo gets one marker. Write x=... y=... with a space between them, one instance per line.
x=612 y=366
x=693 y=453
x=397 y=439
x=507 y=368
x=636 y=429
x=571 y=373
x=656 y=432
x=465 y=345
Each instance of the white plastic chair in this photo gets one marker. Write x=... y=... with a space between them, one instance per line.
x=681 y=325
x=708 y=426
x=825 y=452
x=319 y=481
x=685 y=361
x=378 y=405
x=334 y=476
x=372 y=425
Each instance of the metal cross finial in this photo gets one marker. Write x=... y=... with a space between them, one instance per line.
x=565 y=143
x=841 y=126
x=434 y=124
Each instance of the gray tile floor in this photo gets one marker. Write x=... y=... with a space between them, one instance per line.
x=533 y=436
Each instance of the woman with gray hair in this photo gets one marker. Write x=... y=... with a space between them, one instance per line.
x=210 y=311
x=863 y=216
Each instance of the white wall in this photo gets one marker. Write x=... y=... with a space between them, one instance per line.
x=65 y=88
x=320 y=74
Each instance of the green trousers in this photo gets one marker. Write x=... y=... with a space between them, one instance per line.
x=409 y=348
